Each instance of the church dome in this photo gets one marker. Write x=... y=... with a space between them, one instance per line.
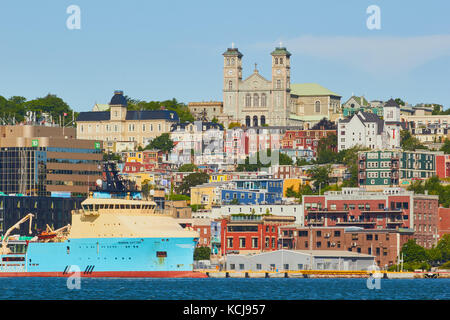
x=118 y=99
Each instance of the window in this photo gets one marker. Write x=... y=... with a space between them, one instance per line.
x=258 y=266
x=230 y=85
x=161 y=254
x=254 y=242
x=317 y=107
x=248 y=100
x=263 y=100
x=242 y=242
x=278 y=84
x=230 y=242
x=241 y=266
x=232 y=266
x=255 y=100
x=337 y=233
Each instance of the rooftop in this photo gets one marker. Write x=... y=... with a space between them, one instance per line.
x=311 y=89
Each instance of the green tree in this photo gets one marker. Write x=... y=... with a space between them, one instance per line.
x=202 y=253
x=412 y=252
x=320 y=175
x=446 y=146
x=325 y=150
x=290 y=193
x=399 y=101
x=408 y=142
x=234 y=201
x=188 y=167
x=192 y=180
x=234 y=125
x=162 y=142
x=444 y=247
x=285 y=159
x=434 y=256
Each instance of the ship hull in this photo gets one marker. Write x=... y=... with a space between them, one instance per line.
x=108 y=274
x=104 y=257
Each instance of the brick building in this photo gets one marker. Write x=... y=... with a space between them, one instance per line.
x=384 y=244
x=443 y=222
x=426 y=220
x=246 y=233
x=394 y=208
x=305 y=139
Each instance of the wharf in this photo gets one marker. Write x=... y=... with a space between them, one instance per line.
x=321 y=274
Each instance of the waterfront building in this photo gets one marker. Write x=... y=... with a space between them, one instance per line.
x=202 y=226
x=383 y=168
x=45 y=161
x=384 y=244
x=393 y=208
x=119 y=124
x=288 y=209
x=297 y=260
x=443 y=222
x=251 y=233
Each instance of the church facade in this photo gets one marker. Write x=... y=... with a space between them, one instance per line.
x=256 y=101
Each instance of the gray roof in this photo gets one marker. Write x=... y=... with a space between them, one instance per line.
x=131 y=115
x=367 y=117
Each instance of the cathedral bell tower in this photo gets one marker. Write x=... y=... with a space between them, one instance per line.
x=232 y=75
x=281 y=85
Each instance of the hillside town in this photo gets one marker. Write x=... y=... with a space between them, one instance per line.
x=275 y=166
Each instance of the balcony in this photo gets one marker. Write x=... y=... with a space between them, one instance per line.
x=356 y=222
x=315 y=221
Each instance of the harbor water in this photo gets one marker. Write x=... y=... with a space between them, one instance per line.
x=223 y=289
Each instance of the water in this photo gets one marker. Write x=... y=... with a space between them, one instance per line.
x=223 y=289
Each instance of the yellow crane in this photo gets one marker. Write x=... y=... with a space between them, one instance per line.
x=5 y=249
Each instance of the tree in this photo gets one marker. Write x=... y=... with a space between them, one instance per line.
x=412 y=252
x=234 y=125
x=290 y=193
x=408 y=142
x=444 y=247
x=192 y=180
x=285 y=159
x=234 y=201
x=399 y=101
x=163 y=143
x=325 y=150
x=302 y=162
x=188 y=167
x=202 y=253
x=320 y=175
x=446 y=146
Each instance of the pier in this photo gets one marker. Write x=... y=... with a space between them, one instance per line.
x=316 y=274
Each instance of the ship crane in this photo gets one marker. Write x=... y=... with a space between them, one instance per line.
x=5 y=249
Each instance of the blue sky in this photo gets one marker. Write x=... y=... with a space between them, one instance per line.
x=156 y=50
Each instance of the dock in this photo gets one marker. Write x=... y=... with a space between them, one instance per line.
x=317 y=274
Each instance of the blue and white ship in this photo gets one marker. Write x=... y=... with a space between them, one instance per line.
x=107 y=238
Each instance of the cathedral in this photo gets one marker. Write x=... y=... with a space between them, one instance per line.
x=256 y=101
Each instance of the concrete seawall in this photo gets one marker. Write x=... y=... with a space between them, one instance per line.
x=313 y=274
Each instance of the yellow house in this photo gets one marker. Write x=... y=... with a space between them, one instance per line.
x=137 y=156
x=218 y=177
x=206 y=194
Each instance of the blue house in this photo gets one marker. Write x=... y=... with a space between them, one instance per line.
x=254 y=191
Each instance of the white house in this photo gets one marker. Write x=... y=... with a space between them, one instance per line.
x=368 y=130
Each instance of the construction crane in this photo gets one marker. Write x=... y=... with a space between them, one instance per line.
x=5 y=249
